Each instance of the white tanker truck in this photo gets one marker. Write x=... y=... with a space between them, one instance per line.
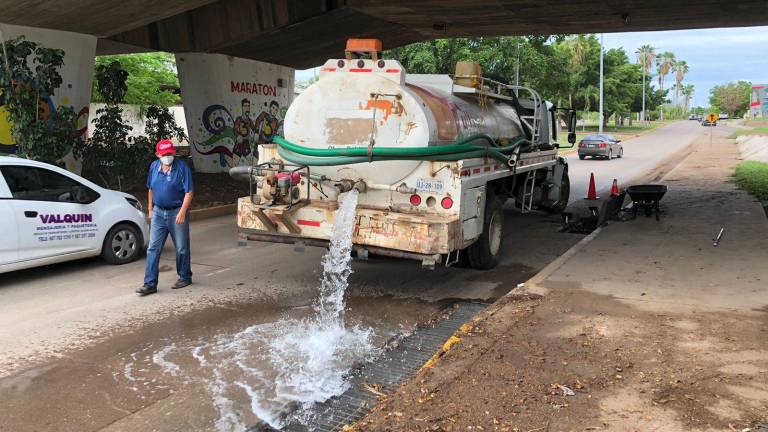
x=434 y=158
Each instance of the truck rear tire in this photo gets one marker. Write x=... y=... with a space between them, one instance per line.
x=484 y=253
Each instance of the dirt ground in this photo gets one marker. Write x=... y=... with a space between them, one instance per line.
x=666 y=335
x=574 y=361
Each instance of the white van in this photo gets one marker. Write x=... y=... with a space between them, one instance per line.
x=49 y=215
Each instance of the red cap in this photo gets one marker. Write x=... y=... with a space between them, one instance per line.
x=164 y=147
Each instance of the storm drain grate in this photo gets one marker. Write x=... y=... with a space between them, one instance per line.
x=386 y=373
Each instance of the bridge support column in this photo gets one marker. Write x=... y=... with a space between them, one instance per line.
x=232 y=106
x=77 y=75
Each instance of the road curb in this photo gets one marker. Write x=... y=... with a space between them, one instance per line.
x=212 y=212
x=532 y=285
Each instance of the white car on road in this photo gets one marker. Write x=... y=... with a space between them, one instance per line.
x=49 y=215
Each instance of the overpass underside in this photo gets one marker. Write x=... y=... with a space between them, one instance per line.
x=303 y=33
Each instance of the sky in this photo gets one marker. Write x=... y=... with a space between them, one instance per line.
x=714 y=56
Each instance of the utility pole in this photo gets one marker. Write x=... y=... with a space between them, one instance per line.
x=642 y=114
x=600 y=118
x=517 y=66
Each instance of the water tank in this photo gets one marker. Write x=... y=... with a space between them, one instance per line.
x=362 y=103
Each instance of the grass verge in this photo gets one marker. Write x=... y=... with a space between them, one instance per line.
x=752 y=176
x=762 y=130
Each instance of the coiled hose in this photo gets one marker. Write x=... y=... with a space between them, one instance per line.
x=461 y=149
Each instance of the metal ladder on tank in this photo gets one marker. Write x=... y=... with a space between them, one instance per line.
x=532 y=121
x=526 y=204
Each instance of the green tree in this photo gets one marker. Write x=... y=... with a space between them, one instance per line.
x=687 y=91
x=681 y=69
x=111 y=157
x=29 y=74
x=732 y=97
x=645 y=56
x=150 y=78
x=664 y=63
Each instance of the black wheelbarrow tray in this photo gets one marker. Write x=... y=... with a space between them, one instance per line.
x=646 y=197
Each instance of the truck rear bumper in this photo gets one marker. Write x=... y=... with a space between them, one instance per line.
x=378 y=231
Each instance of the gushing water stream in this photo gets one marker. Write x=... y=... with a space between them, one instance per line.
x=286 y=366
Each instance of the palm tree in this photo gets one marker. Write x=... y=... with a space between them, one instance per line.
x=645 y=56
x=681 y=70
x=664 y=63
x=687 y=91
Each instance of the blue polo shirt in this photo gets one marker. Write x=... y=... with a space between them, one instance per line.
x=169 y=188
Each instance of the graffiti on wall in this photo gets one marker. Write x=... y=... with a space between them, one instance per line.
x=236 y=134
x=47 y=109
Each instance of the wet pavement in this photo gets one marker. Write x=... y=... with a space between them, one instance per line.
x=81 y=352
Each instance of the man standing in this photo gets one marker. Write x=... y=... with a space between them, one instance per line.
x=170 y=195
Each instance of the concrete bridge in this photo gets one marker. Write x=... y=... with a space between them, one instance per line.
x=303 y=33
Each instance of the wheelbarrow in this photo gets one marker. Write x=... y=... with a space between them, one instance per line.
x=646 y=197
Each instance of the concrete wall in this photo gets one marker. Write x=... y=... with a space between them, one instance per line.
x=77 y=74
x=133 y=116
x=232 y=106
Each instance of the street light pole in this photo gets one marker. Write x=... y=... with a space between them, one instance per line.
x=642 y=114
x=600 y=118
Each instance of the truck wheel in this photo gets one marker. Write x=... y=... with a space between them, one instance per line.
x=581 y=157
x=483 y=254
x=565 y=194
x=122 y=244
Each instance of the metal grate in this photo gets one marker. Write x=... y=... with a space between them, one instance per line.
x=386 y=373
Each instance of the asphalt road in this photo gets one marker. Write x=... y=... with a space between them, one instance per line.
x=71 y=325
x=642 y=155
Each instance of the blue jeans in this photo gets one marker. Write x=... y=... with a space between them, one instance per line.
x=164 y=223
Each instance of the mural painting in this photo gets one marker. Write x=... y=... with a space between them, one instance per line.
x=237 y=139
x=75 y=90
x=237 y=107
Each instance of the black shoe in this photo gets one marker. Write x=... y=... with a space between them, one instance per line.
x=146 y=290
x=181 y=283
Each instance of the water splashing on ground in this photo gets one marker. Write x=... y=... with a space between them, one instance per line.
x=282 y=368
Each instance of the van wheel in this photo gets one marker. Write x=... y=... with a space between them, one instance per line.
x=122 y=244
x=484 y=253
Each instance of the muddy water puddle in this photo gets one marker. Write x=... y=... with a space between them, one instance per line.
x=217 y=369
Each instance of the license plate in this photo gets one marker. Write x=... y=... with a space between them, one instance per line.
x=431 y=186
x=592 y=145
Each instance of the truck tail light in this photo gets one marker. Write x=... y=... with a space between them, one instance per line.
x=415 y=200
x=446 y=203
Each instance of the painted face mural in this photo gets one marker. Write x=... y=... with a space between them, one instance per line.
x=236 y=139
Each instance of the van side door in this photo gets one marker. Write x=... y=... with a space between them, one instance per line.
x=51 y=220
x=9 y=247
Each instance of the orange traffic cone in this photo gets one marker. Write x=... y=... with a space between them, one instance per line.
x=615 y=188
x=592 y=193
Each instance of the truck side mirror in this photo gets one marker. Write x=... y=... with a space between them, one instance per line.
x=572 y=137
x=571 y=123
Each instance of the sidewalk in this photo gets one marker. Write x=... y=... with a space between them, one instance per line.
x=646 y=327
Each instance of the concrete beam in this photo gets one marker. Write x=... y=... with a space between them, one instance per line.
x=95 y=17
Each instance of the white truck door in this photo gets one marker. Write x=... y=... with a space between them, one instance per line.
x=9 y=247
x=45 y=211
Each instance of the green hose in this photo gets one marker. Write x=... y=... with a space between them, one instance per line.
x=462 y=149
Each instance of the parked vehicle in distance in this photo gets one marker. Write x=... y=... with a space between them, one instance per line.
x=722 y=116
x=692 y=117
x=699 y=117
x=52 y=215
x=706 y=122
x=597 y=145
